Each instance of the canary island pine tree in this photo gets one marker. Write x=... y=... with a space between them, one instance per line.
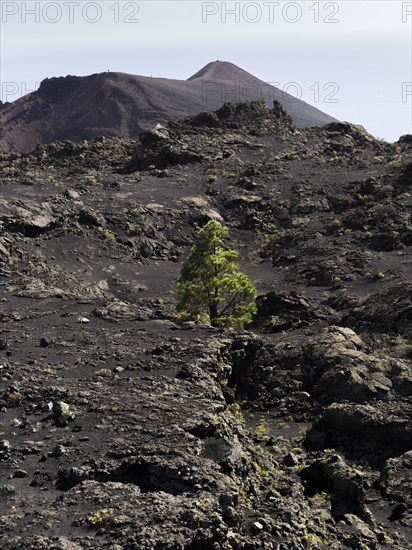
x=210 y=281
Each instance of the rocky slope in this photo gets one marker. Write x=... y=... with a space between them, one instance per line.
x=124 y=428
x=118 y=104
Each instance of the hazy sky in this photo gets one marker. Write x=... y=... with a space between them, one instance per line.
x=351 y=59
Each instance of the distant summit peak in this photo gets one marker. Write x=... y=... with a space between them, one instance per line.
x=220 y=70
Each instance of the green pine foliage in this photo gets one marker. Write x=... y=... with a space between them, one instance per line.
x=210 y=281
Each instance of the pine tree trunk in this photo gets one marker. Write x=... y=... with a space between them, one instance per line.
x=213 y=311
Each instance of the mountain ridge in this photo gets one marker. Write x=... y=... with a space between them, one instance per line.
x=116 y=104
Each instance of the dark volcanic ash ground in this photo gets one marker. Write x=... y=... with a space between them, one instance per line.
x=124 y=428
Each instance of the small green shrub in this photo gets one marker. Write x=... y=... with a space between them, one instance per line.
x=101 y=517
x=67 y=416
x=313 y=540
x=298 y=468
x=261 y=429
x=237 y=413
x=321 y=497
x=108 y=235
x=103 y=372
x=395 y=163
x=261 y=470
x=290 y=155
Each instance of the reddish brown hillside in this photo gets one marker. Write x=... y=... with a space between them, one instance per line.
x=119 y=104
